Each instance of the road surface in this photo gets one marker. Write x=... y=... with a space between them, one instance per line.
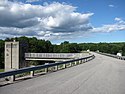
x=103 y=75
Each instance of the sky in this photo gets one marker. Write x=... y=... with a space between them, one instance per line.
x=64 y=20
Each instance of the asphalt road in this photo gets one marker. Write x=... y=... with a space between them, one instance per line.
x=103 y=75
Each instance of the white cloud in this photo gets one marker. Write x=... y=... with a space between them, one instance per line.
x=119 y=26
x=50 y=20
x=32 y=0
x=111 y=6
x=118 y=19
x=109 y=28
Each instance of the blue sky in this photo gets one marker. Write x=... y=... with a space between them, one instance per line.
x=64 y=20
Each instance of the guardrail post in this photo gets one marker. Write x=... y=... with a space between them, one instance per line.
x=80 y=62
x=12 y=78
x=31 y=73
x=71 y=64
x=46 y=70
x=83 y=60
x=64 y=66
x=75 y=62
x=56 y=68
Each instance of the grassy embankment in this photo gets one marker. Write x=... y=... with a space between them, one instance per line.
x=1 y=70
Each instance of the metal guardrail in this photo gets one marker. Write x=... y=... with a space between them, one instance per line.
x=32 y=69
x=111 y=55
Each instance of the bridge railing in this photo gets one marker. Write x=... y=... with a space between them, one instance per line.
x=12 y=73
x=53 y=55
x=114 y=56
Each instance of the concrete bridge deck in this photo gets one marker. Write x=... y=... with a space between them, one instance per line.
x=103 y=75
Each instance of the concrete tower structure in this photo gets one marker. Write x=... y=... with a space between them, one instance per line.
x=13 y=56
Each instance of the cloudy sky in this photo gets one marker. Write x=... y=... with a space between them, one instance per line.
x=64 y=20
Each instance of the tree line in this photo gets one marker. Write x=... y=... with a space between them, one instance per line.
x=34 y=45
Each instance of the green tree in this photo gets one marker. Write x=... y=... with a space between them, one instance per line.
x=1 y=54
x=123 y=49
x=33 y=45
